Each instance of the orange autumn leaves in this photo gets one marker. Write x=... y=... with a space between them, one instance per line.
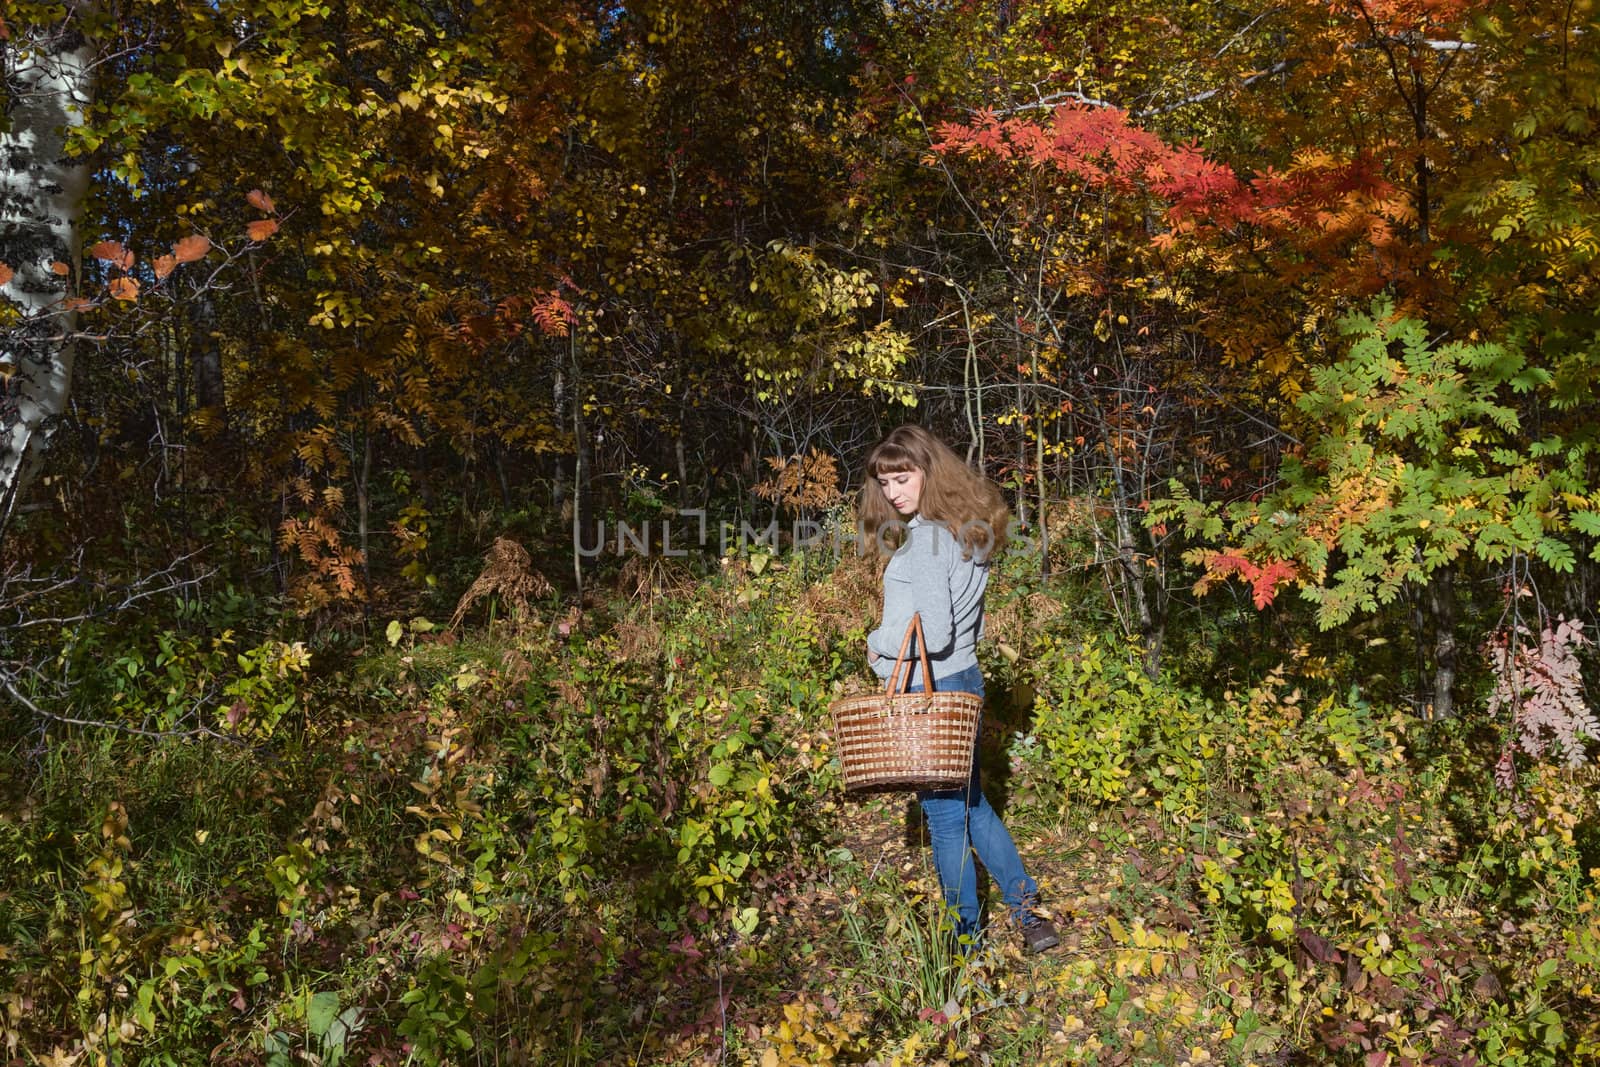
x=124 y=286
x=261 y=229
x=188 y=250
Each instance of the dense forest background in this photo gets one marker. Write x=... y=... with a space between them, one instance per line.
x=427 y=447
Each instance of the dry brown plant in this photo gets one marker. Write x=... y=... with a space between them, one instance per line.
x=638 y=642
x=1076 y=526
x=515 y=666
x=1010 y=621
x=508 y=574
x=569 y=693
x=846 y=597
x=647 y=579
x=807 y=483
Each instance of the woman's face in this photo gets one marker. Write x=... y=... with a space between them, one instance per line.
x=902 y=489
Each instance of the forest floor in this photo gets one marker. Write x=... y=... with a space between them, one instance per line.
x=1130 y=983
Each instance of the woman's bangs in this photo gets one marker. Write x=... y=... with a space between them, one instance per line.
x=889 y=459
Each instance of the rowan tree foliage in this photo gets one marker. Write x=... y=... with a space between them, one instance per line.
x=1417 y=464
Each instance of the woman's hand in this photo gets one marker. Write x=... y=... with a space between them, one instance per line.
x=872 y=656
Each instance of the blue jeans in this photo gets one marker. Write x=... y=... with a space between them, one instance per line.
x=961 y=820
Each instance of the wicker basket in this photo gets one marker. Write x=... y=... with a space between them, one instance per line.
x=903 y=740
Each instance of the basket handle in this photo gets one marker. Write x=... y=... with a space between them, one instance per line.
x=912 y=627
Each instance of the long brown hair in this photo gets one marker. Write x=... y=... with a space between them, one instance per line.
x=953 y=494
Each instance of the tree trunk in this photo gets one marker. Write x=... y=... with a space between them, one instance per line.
x=1441 y=597
x=1021 y=507
x=209 y=393
x=364 y=503
x=1133 y=575
x=582 y=460
x=1038 y=468
x=971 y=398
x=41 y=199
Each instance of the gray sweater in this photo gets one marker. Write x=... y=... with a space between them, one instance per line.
x=927 y=575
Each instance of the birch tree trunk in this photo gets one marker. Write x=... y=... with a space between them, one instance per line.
x=46 y=71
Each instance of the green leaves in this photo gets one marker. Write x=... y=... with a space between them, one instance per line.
x=322 y=1010
x=796 y=323
x=1413 y=460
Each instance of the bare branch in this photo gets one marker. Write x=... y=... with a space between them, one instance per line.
x=165 y=580
x=1078 y=96
x=1196 y=98
x=1246 y=29
x=10 y=690
x=1053 y=100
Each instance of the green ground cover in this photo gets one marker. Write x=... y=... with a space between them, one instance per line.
x=616 y=834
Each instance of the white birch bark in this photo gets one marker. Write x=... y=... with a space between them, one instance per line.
x=47 y=72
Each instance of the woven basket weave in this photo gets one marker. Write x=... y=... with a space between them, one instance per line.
x=903 y=740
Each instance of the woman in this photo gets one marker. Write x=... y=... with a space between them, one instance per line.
x=948 y=522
